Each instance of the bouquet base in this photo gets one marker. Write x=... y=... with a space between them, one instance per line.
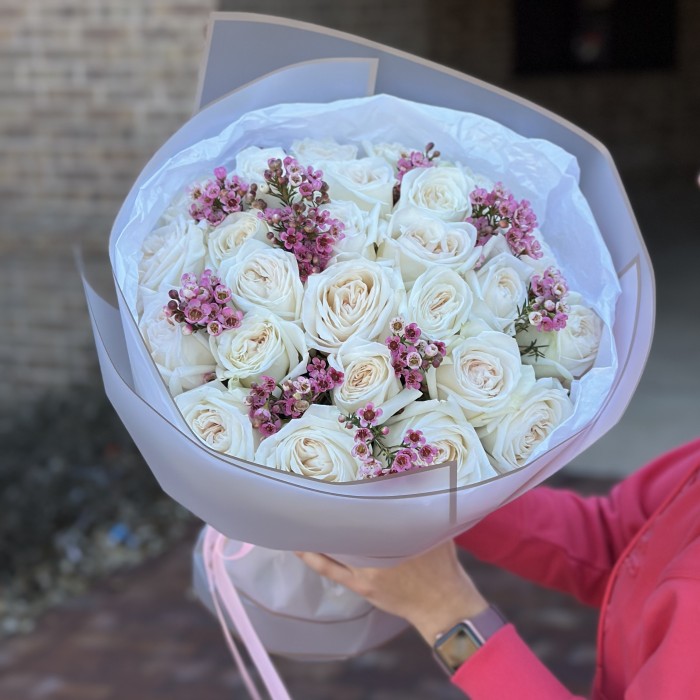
x=295 y=612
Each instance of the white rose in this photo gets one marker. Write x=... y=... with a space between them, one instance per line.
x=179 y=206
x=262 y=277
x=442 y=191
x=500 y=290
x=418 y=238
x=440 y=302
x=512 y=439
x=477 y=179
x=391 y=152
x=574 y=348
x=219 y=418
x=226 y=239
x=445 y=427
x=170 y=251
x=366 y=181
x=482 y=373
x=312 y=151
x=251 y=163
x=353 y=297
x=315 y=445
x=263 y=344
x=182 y=360
x=361 y=230
x=369 y=377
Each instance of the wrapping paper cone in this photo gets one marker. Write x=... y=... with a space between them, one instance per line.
x=362 y=523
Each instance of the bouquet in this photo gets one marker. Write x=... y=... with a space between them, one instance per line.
x=331 y=337
x=392 y=293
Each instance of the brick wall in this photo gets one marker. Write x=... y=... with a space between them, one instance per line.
x=88 y=91
x=90 y=88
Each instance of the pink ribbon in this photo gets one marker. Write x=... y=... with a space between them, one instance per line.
x=224 y=594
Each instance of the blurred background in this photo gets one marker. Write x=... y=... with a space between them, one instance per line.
x=89 y=89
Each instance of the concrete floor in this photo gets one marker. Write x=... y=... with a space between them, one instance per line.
x=140 y=635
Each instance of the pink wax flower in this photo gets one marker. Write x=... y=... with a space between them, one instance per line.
x=498 y=212
x=214 y=200
x=545 y=309
x=299 y=226
x=292 y=398
x=369 y=415
x=375 y=457
x=412 y=354
x=411 y=161
x=203 y=304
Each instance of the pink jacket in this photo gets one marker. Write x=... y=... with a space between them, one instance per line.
x=634 y=553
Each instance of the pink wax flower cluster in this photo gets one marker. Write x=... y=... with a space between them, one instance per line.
x=300 y=226
x=203 y=304
x=412 y=355
x=413 y=452
x=271 y=404
x=413 y=160
x=497 y=212
x=217 y=198
x=546 y=308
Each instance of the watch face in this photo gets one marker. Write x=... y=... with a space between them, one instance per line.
x=457 y=645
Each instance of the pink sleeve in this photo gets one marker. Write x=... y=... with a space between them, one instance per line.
x=505 y=667
x=570 y=543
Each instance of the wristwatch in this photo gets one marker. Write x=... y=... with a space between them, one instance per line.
x=454 y=647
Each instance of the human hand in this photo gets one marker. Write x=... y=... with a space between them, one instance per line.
x=431 y=591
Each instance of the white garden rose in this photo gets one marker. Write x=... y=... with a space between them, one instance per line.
x=170 y=251
x=392 y=152
x=482 y=373
x=416 y=238
x=224 y=241
x=361 y=231
x=513 y=438
x=184 y=361
x=262 y=344
x=572 y=349
x=315 y=445
x=179 y=206
x=252 y=162
x=369 y=378
x=439 y=302
x=500 y=290
x=264 y=277
x=366 y=181
x=311 y=151
x=219 y=418
x=353 y=297
x=444 y=191
x=444 y=426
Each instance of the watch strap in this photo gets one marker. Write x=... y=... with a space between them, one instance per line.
x=488 y=621
x=456 y=645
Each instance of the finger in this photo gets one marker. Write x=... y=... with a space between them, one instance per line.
x=327 y=567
